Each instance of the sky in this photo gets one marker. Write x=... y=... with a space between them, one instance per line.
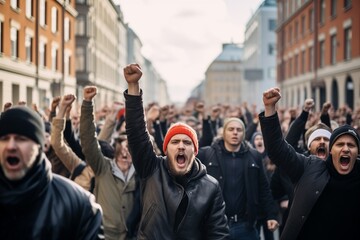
x=182 y=37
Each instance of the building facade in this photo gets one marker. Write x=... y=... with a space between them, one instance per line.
x=98 y=49
x=37 y=51
x=223 y=78
x=260 y=53
x=319 y=52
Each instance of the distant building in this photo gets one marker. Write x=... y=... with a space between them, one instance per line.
x=259 y=53
x=37 y=51
x=98 y=55
x=319 y=52
x=223 y=77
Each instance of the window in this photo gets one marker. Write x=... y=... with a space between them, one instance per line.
x=14 y=42
x=311 y=59
x=272 y=49
x=54 y=59
x=54 y=22
x=67 y=65
x=296 y=65
x=290 y=35
x=80 y=59
x=347 y=4
x=14 y=4
x=333 y=8
x=1 y=36
x=303 y=55
x=28 y=48
x=42 y=12
x=272 y=24
x=311 y=20
x=303 y=25
x=322 y=53
x=42 y=54
x=29 y=8
x=80 y=25
x=322 y=12
x=347 y=44
x=333 y=49
x=290 y=67
x=66 y=29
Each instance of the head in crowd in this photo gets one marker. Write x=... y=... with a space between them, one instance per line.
x=233 y=133
x=344 y=148
x=180 y=146
x=47 y=143
x=123 y=158
x=21 y=142
x=317 y=139
x=257 y=142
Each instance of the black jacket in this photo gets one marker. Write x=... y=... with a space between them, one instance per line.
x=258 y=193
x=309 y=173
x=204 y=217
x=44 y=205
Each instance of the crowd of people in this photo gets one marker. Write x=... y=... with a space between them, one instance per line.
x=130 y=171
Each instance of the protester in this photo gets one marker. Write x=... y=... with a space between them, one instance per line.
x=245 y=187
x=34 y=202
x=81 y=173
x=115 y=179
x=315 y=142
x=327 y=193
x=179 y=199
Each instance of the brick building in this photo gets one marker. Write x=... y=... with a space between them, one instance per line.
x=37 y=49
x=318 y=52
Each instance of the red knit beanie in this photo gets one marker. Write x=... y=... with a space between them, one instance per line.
x=181 y=128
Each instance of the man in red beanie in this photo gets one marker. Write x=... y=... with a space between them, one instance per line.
x=180 y=200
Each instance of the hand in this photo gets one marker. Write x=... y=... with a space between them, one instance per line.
x=65 y=105
x=89 y=93
x=325 y=108
x=308 y=104
x=272 y=225
x=55 y=102
x=67 y=100
x=270 y=98
x=7 y=106
x=153 y=113
x=132 y=73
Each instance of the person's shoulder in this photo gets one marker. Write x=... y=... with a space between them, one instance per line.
x=64 y=186
x=210 y=180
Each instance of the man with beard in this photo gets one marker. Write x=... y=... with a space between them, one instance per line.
x=179 y=199
x=327 y=194
x=317 y=140
x=34 y=202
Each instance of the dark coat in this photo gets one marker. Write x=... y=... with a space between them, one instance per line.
x=204 y=217
x=258 y=194
x=44 y=205
x=309 y=173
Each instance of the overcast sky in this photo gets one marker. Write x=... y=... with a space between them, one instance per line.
x=182 y=37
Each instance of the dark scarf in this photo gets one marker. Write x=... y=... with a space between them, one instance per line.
x=336 y=214
x=23 y=193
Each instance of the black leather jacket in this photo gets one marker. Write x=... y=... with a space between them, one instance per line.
x=204 y=216
x=44 y=205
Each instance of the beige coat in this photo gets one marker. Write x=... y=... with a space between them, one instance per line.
x=114 y=193
x=67 y=156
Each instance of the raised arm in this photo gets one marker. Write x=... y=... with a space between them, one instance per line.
x=64 y=152
x=89 y=142
x=140 y=146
